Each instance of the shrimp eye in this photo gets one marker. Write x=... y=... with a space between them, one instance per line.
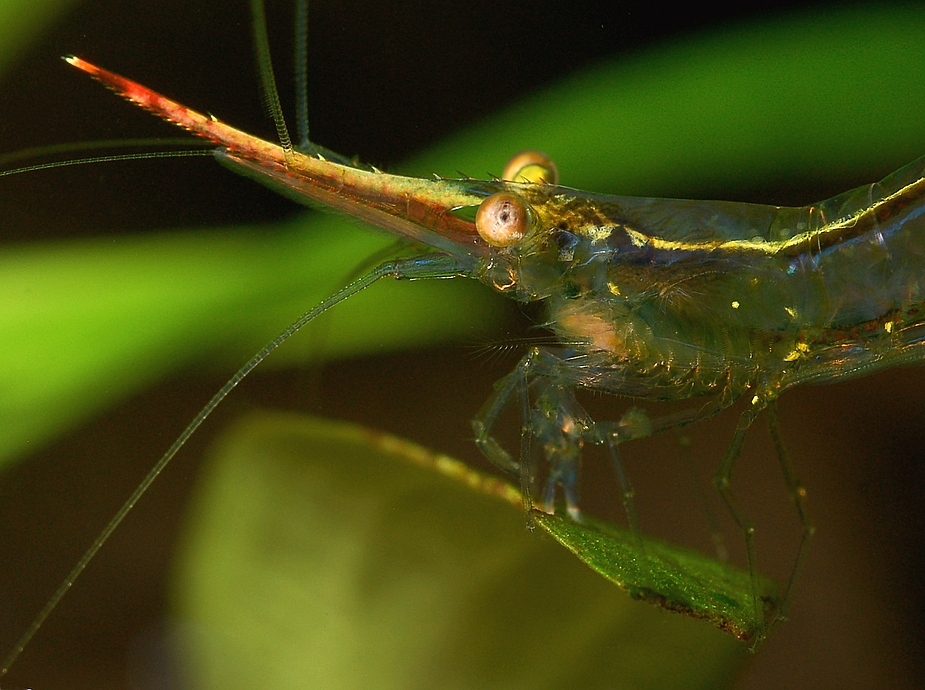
x=502 y=220
x=531 y=166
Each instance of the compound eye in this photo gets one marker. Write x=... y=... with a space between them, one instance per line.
x=531 y=166
x=502 y=220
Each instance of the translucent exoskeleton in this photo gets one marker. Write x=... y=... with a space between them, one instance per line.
x=650 y=299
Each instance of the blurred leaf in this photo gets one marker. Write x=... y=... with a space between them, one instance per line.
x=322 y=554
x=785 y=98
x=21 y=21
x=89 y=322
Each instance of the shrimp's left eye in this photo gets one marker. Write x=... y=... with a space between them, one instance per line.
x=531 y=166
x=502 y=220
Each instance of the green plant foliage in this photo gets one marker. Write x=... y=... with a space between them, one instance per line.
x=89 y=323
x=323 y=554
x=22 y=20
x=666 y=575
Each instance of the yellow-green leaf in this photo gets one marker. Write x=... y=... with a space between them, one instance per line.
x=322 y=554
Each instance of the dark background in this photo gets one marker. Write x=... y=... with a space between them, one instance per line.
x=388 y=78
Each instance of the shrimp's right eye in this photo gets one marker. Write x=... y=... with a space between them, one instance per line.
x=502 y=220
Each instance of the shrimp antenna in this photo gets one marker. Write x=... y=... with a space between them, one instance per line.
x=387 y=269
x=267 y=79
x=118 y=157
x=301 y=74
x=35 y=152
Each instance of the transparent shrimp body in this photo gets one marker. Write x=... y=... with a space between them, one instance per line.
x=653 y=299
x=668 y=300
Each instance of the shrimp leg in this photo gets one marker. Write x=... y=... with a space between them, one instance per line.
x=556 y=420
x=798 y=495
x=722 y=480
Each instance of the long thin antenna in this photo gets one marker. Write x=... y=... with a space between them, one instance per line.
x=267 y=79
x=395 y=269
x=301 y=73
x=83 y=146
x=196 y=153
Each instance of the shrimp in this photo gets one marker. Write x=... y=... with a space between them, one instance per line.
x=652 y=299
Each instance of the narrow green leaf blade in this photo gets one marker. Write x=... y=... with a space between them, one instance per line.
x=669 y=576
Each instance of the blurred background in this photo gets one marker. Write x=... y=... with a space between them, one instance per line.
x=387 y=80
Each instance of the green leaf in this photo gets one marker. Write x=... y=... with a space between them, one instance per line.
x=666 y=575
x=786 y=98
x=323 y=554
x=89 y=322
x=22 y=21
